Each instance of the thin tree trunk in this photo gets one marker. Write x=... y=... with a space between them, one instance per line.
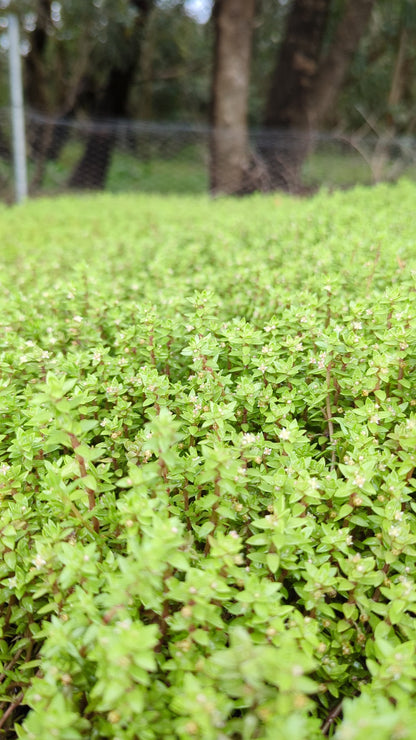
x=333 y=69
x=397 y=83
x=230 y=158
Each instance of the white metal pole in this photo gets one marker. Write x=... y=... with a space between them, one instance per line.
x=18 y=122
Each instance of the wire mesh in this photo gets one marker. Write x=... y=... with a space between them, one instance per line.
x=66 y=154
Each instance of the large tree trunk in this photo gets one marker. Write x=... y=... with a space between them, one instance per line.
x=287 y=110
x=112 y=103
x=305 y=86
x=230 y=158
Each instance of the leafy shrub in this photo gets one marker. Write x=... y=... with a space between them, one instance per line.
x=207 y=455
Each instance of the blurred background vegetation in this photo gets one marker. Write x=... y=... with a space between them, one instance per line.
x=89 y=66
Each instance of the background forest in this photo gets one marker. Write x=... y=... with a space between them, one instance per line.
x=282 y=70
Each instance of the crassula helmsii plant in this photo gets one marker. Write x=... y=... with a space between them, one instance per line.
x=207 y=456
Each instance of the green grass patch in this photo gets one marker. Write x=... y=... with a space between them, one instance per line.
x=336 y=169
x=185 y=170
x=207 y=455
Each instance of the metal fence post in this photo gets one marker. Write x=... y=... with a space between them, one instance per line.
x=18 y=123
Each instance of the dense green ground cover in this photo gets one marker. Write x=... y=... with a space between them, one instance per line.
x=207 y=455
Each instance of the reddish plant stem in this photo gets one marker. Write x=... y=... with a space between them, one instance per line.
x=152 y=353
x=376 y=594
x=334 y=713
x=83 y=473
x=329 y=415
x=11 y=709
x=214 y=516
x=373 y=271
x=10 y=665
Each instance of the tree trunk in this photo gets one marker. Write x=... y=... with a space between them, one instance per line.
x=334 y=67
x=287 y=110
x=398 y=82
x=230 y=158
x=35 y=77
x=91 y=170
x=305 y=86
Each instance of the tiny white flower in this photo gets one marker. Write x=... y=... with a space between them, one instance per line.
x=297 y=670
x=248 y=438
x=38 y=561
x=359 y=480
x=124 y=624
x=284 y=434
x=78 y=319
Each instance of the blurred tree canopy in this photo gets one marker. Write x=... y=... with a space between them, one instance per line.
x=81 y=41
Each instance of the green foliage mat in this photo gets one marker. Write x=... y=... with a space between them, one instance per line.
x=207 y=455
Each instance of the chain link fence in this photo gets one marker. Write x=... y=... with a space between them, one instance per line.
x=65 y=154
